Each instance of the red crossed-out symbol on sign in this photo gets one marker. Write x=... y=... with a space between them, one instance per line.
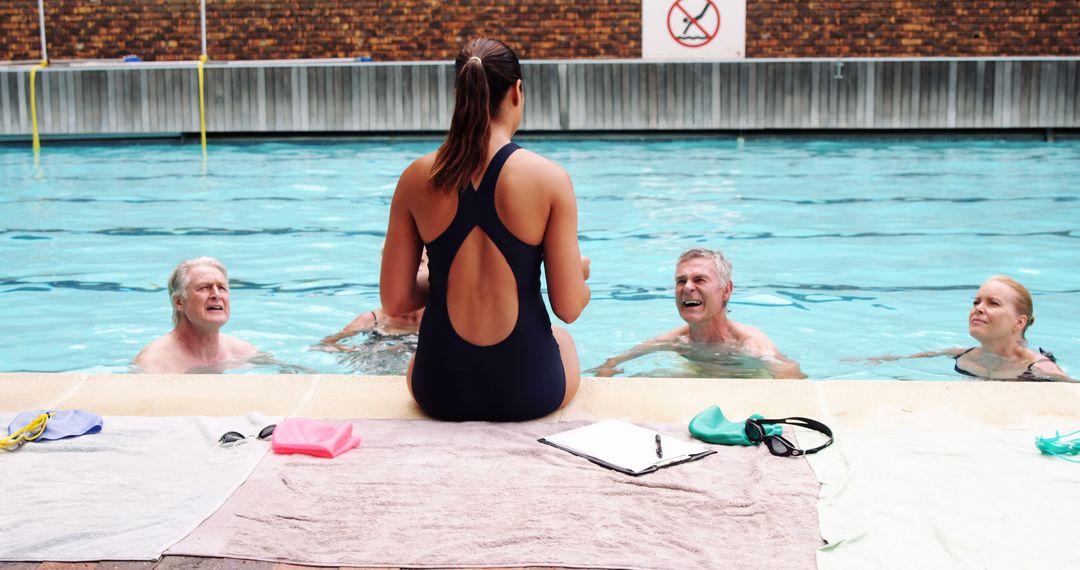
x=690 y=21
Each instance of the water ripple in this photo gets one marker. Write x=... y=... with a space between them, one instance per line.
x=144 y=232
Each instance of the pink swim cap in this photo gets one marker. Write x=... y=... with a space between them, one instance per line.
x=313 y=437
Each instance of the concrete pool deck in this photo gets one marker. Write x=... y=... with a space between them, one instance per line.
x=859 y=410
x=843 y=402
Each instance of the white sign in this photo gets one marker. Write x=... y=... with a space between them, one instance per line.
x=693 y=29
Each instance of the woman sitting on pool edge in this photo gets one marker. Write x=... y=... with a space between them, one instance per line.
x=489 y=215
x=999 y=318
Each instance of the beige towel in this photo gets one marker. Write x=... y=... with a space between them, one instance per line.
x=431 y=494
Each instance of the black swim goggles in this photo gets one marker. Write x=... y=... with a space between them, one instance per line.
x=234 y=437
x=777 y=444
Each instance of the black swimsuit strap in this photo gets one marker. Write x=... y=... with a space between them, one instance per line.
x=957 y=357
x=956 y=365
x=1027 y=374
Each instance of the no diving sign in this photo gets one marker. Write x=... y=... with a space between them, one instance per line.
x=693 y=29
x=690 y=27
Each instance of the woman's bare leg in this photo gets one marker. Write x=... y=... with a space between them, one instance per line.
x=408 y=377
x=570 y=361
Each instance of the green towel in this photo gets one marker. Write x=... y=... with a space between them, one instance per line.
x=712 y=427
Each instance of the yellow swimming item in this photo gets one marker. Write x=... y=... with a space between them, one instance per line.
x=202 y=103
x=33 y=104
x=29 y=432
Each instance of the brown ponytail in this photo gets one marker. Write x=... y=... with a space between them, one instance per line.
x=486 y=70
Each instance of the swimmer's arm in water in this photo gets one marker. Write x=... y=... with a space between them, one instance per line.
x=267 y=359
x=362 y=322
x=929 y=354
x=401 y=288
x=657 y=344
x=757 y=344
x=782 y=367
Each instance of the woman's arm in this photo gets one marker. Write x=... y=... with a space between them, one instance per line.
x=564 y=265
x=363 y=322
x=930 y=354
x=399 y=289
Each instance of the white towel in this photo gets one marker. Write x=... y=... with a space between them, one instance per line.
x=126 y=493
x=945 y=496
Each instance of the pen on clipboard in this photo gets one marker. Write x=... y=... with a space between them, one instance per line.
x=659 y=447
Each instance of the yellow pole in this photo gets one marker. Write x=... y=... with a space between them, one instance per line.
x=202 y=103
x=33 y=104
x=33 y=76
x=202 y=87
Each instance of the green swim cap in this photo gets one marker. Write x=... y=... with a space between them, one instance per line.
x=712 y=427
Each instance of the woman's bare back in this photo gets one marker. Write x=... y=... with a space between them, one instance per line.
x=482 y=291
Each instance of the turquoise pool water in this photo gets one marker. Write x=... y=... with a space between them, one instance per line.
x=841 y=250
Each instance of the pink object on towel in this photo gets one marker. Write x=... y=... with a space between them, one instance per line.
x=312 y=437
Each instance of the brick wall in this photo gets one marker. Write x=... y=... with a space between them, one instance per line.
x=538 y=29
x=885 y=28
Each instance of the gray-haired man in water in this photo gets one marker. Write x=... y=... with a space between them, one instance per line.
x=720 y=345
x=199 y=294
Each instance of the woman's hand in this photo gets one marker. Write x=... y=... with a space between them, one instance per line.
x=605 y=370
x=585 y=264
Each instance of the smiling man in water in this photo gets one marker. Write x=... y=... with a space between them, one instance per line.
x=726 y=348
x=199 y=294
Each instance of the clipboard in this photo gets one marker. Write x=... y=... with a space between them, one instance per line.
x=626 y=447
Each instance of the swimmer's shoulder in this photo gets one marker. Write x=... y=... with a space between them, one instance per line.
x=239 y=348
x=754 y=341
x=680 y=334
x=156 y=357
x=1045 y=365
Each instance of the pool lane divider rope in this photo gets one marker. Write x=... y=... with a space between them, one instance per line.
x=202 y=102
x=33 y=104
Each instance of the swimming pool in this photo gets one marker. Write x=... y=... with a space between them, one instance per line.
x=840 y=249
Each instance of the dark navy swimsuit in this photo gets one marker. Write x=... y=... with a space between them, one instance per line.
x=519 y=378
x=1028 y=374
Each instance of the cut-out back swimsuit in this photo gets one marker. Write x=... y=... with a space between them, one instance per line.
x=519 y=378
x=1028 y=374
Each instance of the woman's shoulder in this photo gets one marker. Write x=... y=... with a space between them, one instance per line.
x=1045 y=366
x=539 y=164
x=529 y=165
x=417 y=176
x=957 y=352
x=421 y=166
